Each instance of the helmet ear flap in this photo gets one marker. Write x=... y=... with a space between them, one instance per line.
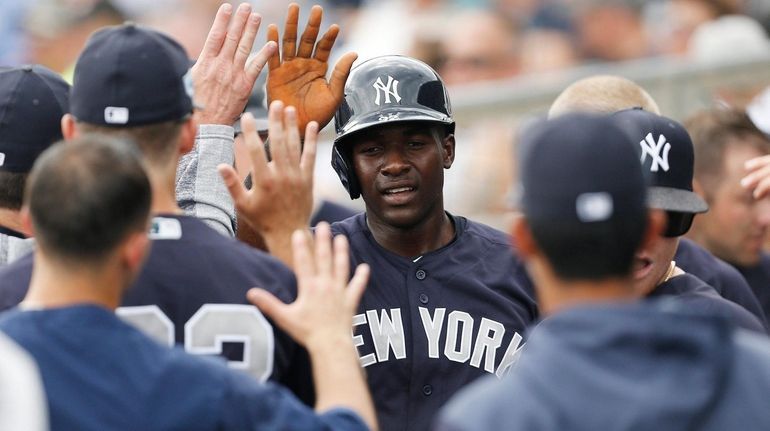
x=344 y=168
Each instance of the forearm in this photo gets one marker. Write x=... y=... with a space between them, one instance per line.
x=199 y=188
x=339 y=379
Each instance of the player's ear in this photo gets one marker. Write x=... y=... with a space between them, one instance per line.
x=26 y=221
x=68 y=127
x=522 y=237
x=448 y=147
x=134 y=251
x=187 y=135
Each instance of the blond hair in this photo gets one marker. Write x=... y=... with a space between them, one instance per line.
x=602 y=94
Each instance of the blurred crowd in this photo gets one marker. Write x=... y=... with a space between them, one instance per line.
x=465 y=40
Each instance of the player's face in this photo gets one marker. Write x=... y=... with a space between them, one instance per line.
x=736 y=224
x=401 y=171
x=652 y=263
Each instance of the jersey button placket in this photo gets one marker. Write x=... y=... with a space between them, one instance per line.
x=427 y=390
x=423 y=299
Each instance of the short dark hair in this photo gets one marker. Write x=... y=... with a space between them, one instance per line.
x=157 y=142
x=86 y=195
x=593 y=252
x=713 y=131
x=12 y=189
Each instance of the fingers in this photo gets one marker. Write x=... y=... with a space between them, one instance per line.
x=233 y=183
x=272 y=36
x=323 y=251
x=357 y=285
x=341 y=261
x=290 y=33
x=757 y=162
x=255 y=146
x=247 y=40
x=271 y=306
x=340 y=75
x=303 y=260
x=326 y=43
x=307 y=42
x=293 y=146
x=307 y=160
x=275 y=130
x=257 y=63
x=234 y=33
x=217 y=33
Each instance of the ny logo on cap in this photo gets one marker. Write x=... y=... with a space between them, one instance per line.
x=389 y=89
x=115 y=115
x=649 y=146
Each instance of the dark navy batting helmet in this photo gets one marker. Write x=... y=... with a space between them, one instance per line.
x=385 y=90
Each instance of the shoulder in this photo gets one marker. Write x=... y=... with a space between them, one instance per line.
x=350 y=225
x=482 y=232
x=14 y=281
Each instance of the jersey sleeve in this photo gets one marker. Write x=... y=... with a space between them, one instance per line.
x=248 y=405
x=200 y=191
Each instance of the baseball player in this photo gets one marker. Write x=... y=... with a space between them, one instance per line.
x=447 y=301
x=600 y=360
x=89 y=204
x=667 y=160
x=192 y=290
x=608 y=94
x=32 y=102
x=725 y=141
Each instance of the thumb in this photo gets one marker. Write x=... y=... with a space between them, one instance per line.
x=233 y=183
x=340 y=75
x=271 y=306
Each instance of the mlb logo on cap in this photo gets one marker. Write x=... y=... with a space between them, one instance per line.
x=114 y=115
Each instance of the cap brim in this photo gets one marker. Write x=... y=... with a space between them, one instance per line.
x=392 y=115
x=671 y=199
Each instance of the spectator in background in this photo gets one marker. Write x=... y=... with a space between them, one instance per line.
x=57 y=30
x=611 y=30
x=735 y=228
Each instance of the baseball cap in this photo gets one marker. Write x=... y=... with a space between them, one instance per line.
x=581 y=170
x=130 y=75
x=33 y=100
x=667 y=157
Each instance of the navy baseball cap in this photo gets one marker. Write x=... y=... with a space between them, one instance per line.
x=33 y=100
x=581 y=170
x=130 y=75
x=667 y=156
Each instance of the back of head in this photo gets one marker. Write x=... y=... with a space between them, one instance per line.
x=33 y=100
x=130 y=80
x=384 y=90
x=583 y=195
x=713 y=131
x=86 y=196
x=602 y=94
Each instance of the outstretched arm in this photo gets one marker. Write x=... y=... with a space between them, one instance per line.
x=297 y=76
x=321 y=317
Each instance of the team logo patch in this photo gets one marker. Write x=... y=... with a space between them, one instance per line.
x=658 y=152
x=593 y=207
x=115 y=115
x=387 y=89
x=165 y=228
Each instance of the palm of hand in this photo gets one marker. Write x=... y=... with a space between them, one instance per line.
x=301 y=82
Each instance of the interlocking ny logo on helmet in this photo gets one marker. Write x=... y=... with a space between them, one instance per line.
x=389 y=89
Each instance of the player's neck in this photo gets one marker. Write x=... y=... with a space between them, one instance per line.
x=430 y=234
x=556 y=294
x=56 y=284
x=12 y=220
x=162 y=182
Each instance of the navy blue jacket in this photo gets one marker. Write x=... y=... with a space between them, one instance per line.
x=645 y=366
x=101 y=374
x=429 y=325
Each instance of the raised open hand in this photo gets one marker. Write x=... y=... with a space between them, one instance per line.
x=297 y=76
x=223 y=76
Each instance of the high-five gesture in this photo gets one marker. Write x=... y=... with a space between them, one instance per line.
x=298 y=75
x=223 y=76
x=281 y=198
